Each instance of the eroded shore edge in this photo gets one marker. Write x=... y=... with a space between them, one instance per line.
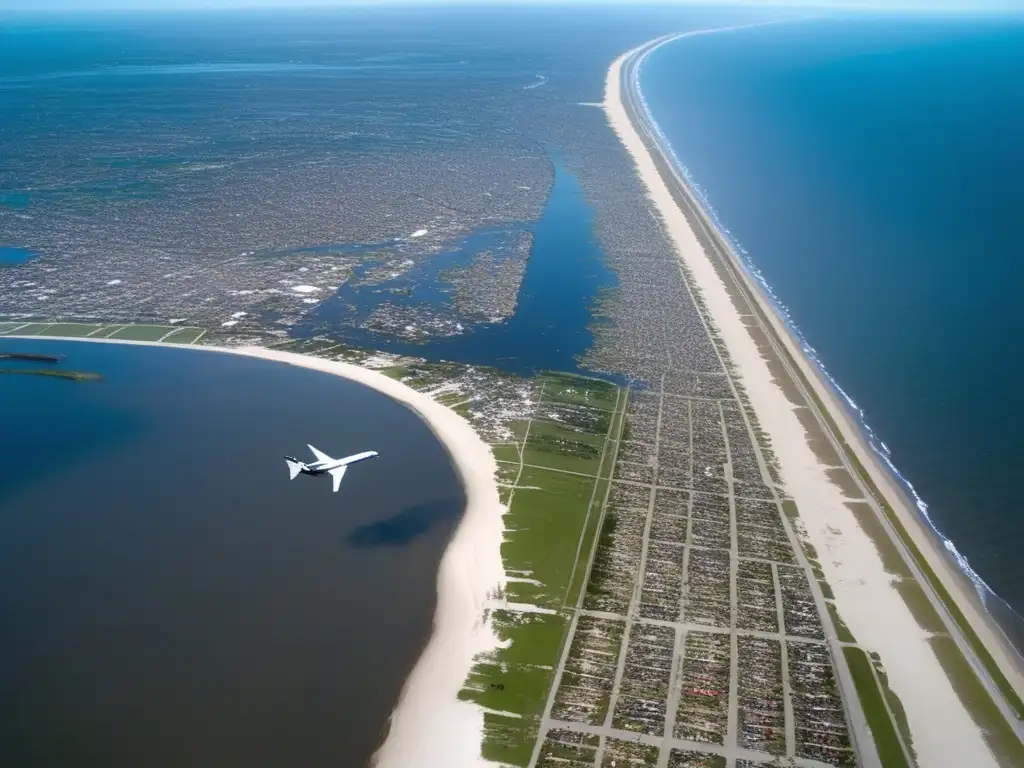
x=866 y=594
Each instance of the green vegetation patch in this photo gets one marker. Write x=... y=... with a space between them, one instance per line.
x=601 y=571
x=556 y=464
x=29 y=330
x=920 y=605
x=142 y=332
x=1000 y=736
x=580 y=418
x=507 y=452
x=589 y=543
x=842 y=631
x=544 y=525
x=71 y=329
x=515 y=681
x=826 y=590
x=884 y=733
x=870 y=523
x=581 y=390
x=548 y=445
x=184 y=336
x=899 y=714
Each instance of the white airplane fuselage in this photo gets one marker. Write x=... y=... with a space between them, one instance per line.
x=326 y=465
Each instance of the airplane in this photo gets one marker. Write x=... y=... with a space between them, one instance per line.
x=325 y=464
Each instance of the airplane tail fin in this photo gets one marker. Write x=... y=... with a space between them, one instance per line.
x=294 y=467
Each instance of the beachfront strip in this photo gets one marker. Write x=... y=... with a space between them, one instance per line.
x=955 y=680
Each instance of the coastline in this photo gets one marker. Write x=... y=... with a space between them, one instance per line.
x=866 y=594
x=430 y=725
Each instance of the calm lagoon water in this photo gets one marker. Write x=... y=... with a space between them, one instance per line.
x=168 y=597
x=550 y=329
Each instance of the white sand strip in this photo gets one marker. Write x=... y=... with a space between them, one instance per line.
x=430 y=726
x=942 y=729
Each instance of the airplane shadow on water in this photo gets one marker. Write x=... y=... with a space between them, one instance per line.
x=405 y=527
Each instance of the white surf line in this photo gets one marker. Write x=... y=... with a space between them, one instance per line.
x=916 y=524
x=430 y=726
x=942 y=729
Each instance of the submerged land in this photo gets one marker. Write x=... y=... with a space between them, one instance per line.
x=54 y=373
x=20 y=357
x=683 y=557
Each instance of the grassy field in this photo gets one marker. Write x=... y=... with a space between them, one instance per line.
x=887 y=740
x=170 y=334
x=556 y=489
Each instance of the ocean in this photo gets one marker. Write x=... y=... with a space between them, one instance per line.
x=869 y=171
x=168 y=597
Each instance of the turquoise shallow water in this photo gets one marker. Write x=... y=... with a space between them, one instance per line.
x=10 y=254
x=869 y=169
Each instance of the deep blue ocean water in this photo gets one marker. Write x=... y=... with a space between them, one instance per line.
x=873 y=172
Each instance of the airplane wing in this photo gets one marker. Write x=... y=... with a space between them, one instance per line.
x=356 y=457
x=336 y=474
x=320 y=455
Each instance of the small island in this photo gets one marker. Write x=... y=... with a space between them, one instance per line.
x=30 y=358
x=72 y=375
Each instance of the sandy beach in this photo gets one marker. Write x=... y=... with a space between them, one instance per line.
x=943 y=729
x=430 y=725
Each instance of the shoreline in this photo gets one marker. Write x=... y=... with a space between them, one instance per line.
x=429 y=724
x=866 y=596
x=982 y=592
